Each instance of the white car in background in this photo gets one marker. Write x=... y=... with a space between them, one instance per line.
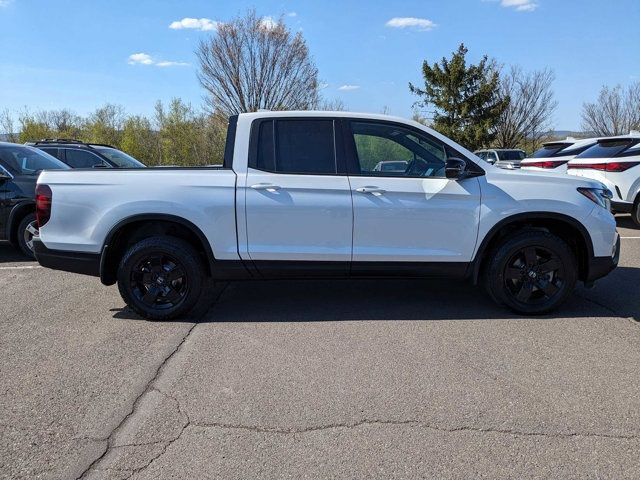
x=554 y=156
x=615 y=162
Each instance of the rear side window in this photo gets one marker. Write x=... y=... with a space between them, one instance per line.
x=296 y=146
x=51 y=151
x=82 y=159
x=606 y=149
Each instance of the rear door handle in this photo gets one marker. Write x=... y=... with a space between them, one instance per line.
x=269 y=187
x=372 y=190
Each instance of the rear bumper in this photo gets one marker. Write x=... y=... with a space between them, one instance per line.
x=621 y=207
x=75 y=262
x=601 y=266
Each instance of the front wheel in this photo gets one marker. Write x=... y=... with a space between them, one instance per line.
x=162 y=278
x=532 y=273
x=27 y=229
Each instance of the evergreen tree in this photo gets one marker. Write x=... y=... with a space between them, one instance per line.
x=466 y=98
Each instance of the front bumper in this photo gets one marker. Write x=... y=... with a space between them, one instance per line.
x=75 y=262
x=599 y=267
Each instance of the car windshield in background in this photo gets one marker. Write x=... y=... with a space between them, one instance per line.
x=21 y=160
x=510 y=154
x=549 y=150
x=606 y=149
x=121 y=159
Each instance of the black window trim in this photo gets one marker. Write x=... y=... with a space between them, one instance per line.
x=351 y=154
x=338 y=144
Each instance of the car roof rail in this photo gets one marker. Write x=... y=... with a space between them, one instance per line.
x=59 y=140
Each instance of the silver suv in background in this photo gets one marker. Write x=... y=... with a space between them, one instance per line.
x=502 y=157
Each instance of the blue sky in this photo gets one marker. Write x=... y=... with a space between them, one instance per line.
x=76 y=54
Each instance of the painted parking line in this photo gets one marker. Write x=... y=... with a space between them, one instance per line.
x=630 y=238
x=21 y=267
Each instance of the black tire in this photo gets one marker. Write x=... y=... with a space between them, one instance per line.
x=532 y=273
x=635 y=213
x=162 y=278
x=27 y=228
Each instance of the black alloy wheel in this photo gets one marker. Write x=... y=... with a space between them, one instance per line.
x=164 y=277
x=533 y=275
x=159 y=281
x=531 y=272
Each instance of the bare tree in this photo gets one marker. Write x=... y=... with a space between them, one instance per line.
x=335 y=105
x=616 y=112
x=531 y=106
x=252 y=64
x=7 y=125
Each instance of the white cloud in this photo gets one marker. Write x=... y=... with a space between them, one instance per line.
x=202 y=24
x=520 y=5
x=4 y=3
x=171 y=64
x=323 y=85
x=140 y=58
x=268 y=22
x=292 y=14
x=349 y=87
x=411 y=22
x=146 y=59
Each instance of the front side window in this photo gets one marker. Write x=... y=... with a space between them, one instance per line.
x=390 y=150
x=296 y=147
x=82 y=159
x=19 y=160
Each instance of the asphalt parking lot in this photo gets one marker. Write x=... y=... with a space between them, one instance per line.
x=355 y=379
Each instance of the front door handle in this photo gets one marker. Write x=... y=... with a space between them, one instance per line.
x=372 y=190
x=269 y=187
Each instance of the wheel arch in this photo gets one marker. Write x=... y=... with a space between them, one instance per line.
x=138 y=227
x=566 y=227
x=18 y=212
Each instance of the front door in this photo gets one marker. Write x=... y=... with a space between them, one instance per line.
x=405 y=209
x=298 y=209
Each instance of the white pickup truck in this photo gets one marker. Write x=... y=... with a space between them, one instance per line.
x=299 y=196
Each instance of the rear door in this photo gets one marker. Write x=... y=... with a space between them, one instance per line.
x=298 y=207
x=413 y=216
x=4 y=203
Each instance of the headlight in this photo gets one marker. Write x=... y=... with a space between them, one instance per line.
x=601 y=196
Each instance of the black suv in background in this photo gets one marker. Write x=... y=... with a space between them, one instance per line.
x=20 y=166
x=78 y=154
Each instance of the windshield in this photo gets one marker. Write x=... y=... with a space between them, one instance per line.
x=510 y=154
x=22 y=160
x=121 y=159
x=548 y=151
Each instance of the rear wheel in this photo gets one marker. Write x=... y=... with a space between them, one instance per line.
x=531 y=273
x=27 y=229
x=635 y=213
x=162 y=278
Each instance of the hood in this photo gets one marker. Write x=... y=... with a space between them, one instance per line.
x=543 y=177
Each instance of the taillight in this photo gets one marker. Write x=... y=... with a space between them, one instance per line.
x=43 y=204
x=544 y=164
x=605 y=167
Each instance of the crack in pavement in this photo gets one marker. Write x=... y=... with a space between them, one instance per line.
x=147 y=388
x=365 y=422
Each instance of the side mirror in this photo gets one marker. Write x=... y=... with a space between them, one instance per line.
x=455 y=168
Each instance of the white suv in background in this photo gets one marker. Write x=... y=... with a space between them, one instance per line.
x=554 y=156
x=615 y=162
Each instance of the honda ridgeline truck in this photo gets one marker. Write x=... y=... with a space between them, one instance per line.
x=299 y=196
